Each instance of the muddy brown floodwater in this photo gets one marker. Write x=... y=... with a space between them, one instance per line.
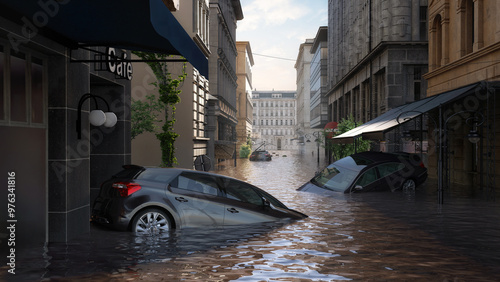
x=359 y=237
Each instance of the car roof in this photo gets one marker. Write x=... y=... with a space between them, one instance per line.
x=361 y=160
x=178 y=170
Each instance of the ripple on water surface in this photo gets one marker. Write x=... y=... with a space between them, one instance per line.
x=381 y=236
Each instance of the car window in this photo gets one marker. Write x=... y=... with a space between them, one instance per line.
x=389 y=168
x=243 y=192
x=197 y=183
x=157 y=175
x=367 y=177
x=335 y=178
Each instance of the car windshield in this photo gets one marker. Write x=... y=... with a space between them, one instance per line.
x=335 y=178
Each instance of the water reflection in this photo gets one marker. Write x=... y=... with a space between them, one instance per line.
x=375 y=236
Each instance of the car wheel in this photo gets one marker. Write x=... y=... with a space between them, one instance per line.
x=409 y=185
x=151 y=222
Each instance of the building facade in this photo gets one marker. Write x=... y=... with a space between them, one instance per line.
x=376 y=57
x=190 y=112
x=464 y=47
x=319 y=80
x=274 y=120
x=303 y=81
x=222 y=111
x=244 y=63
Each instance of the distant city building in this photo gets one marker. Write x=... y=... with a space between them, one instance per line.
x=274 y=120
x=303 y=70
x=244 y=63
x=309 y=138
x=319 y=79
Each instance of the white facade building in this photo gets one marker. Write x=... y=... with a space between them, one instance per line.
x=274 y=120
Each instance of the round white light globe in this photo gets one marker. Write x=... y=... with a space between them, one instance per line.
x=97 y=117
x=111 y=119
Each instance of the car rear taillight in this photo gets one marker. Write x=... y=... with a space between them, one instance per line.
x=126 y=188
x=422 y=165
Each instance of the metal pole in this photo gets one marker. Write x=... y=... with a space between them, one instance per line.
x=440 y=159
x=317 y=144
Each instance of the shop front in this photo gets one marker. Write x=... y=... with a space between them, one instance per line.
x=65 y=73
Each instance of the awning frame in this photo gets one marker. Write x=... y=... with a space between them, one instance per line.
x=388 y=120
x=105 y=60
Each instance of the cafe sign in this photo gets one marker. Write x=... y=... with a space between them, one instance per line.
x=119 y=65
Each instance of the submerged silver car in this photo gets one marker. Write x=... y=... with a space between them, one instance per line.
x=155 y=200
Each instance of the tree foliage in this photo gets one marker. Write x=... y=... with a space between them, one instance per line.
x=343 y=150
x=168 y=89
x=145 y=115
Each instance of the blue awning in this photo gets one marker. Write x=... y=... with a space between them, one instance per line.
x=142 y=25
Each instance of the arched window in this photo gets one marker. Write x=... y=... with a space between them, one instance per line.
x=468 y=26
x=438 y=42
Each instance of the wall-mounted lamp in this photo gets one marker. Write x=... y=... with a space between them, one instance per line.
x=473 y=136
x=406 y=136
x=96 y=117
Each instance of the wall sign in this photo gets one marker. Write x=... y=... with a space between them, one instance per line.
x=118 y=65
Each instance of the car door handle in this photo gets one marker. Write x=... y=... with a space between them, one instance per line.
x=181 y=199
x=233 y=210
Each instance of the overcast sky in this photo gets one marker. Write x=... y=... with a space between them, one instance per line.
x=275 y=29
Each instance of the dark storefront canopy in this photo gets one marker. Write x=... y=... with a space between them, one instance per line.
x=375 y=128
x=142 y=25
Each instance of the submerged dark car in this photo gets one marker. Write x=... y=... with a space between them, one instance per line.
x=369 y=171
x=260 y=156
x=154 y=200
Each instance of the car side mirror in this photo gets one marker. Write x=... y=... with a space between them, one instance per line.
x=358 y=188
x=266 y=202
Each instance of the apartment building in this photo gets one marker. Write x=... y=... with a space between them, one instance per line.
x=319 y=79
x=303 y=82
x=376 y=58
x=274 y=120
x=223 y=84
x=244 y=63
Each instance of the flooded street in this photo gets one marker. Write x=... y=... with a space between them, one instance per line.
x=359 y=237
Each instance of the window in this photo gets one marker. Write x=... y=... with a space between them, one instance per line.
x=23 y=76
x=243 y=192
x=201 y=18
x=437 y=38
x=204 y=184
x=469 y=26
x=423 y=23
x=417 y=83
x=386 y=169
x=18 y=101
x=367 y=178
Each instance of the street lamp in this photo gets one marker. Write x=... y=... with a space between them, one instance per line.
x=316 y=135
x=473 y=137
